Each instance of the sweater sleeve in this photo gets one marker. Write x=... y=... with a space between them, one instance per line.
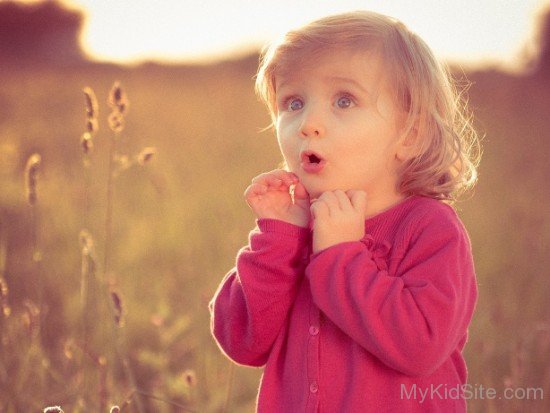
x=251 y=304
x=413 y=319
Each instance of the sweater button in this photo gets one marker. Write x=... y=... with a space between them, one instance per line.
x=313 y=330
x=313 y=387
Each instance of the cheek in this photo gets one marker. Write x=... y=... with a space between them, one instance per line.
x=287 y=147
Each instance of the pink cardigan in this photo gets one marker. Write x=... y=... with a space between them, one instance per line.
x=376 y=325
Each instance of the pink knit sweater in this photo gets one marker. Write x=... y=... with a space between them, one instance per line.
x=376 y=325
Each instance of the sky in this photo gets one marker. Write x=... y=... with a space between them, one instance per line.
x=130 y=31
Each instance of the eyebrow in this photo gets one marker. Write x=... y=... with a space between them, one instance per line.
x=339 y=79
x=333 y=79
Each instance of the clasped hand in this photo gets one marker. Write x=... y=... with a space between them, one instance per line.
x=336 y=216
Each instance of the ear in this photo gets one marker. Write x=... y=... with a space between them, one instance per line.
x=407 y=144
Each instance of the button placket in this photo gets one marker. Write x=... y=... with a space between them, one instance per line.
x=313 y=357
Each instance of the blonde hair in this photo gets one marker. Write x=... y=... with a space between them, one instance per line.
x=447 y=148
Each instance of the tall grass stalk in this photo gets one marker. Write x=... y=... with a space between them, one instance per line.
x=229 y=388
x=89 y=283
x=119 y=105
x=31 y=181
x=95 y=365
x=36 y=312
x=87 y=143
x=89 y=307
x=109 y=207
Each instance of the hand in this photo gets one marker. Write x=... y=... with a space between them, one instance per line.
x=269 y=197
x=338 y=217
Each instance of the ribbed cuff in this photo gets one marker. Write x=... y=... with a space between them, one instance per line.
x=282 y=227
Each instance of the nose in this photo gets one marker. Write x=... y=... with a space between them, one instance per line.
x=312 y=124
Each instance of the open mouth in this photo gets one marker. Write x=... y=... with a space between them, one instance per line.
x=314 y=158
x=312 y=162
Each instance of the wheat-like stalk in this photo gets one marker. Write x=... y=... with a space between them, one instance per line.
x=146 y=155
x=31 y=317
x=53 y=409
x=4 y=305
x=229 y=388
x=92 y=110
x=87 y=283
x=117 y=307
x=86 y=143
x=118 y=100
x=119 y=104
x=31 y=177
x=35 y=313
x=31 y=181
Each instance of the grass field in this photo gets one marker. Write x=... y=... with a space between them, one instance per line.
x=178 y=220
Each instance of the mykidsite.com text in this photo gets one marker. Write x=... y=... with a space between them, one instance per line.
x=469 y=392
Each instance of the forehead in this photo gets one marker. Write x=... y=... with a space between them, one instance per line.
x=366 y=67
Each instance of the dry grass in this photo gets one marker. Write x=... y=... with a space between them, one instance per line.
x=177 y=219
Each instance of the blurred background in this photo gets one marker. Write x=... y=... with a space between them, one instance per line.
x=86 y=332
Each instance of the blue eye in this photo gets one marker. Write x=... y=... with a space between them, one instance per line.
x=295 y=104
x=344 y=102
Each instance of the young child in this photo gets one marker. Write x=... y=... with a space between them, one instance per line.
x=357 y=287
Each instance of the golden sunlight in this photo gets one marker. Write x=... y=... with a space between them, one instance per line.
x=130 y=31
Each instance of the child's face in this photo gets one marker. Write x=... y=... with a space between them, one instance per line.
x=338 y=124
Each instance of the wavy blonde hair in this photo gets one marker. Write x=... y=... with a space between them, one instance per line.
x=447 y=148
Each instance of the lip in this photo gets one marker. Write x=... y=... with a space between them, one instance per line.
x=311 y=167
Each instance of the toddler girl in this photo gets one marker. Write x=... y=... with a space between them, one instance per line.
x=357 y=286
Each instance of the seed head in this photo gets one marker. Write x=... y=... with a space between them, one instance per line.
x=31 y=316
x=88 y=252
x=117 y=99
x=117 y=307
x=116 y=121
x=146 y=155
x=189 y=378
x=4 y=306
x=92 y=125
x=86 y=143
x=3 y=288
x=53 y=409
x=31 y=173
x=86 y=239
x=91 y=103
x=91 y=110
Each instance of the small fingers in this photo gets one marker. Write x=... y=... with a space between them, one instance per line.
x=358 y=200
x=330 y=199
x=343 y=200
x=255 y=190
x=337 y=201
x=319 y=209
x=276 y=177
x=300 y=192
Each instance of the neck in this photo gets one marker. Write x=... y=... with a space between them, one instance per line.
x=379 y=204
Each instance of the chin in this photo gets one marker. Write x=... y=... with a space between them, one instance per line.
x=314 y=189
